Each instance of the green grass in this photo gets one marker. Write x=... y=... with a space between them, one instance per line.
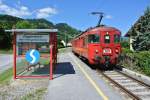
x=62 y=50
x=37 y=95
x=44 y=61
x=5 y=51
x=6 y=76
x=21 y=66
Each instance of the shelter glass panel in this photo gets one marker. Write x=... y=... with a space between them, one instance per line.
x=27 y=43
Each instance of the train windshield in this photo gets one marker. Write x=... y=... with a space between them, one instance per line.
x=93 y=38
x=116 y=38
x=107 y=39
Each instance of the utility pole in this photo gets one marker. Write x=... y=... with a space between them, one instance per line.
x=65 y=39
x=101 y=15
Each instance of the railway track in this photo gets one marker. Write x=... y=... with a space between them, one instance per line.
x=134 y=88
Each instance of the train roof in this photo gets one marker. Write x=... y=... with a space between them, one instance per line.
x=101 y=28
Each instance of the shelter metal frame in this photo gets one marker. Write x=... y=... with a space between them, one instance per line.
x=52 y=45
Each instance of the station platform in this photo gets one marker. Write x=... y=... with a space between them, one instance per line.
x=74 y=80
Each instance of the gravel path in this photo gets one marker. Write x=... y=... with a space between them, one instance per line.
x=21 y=87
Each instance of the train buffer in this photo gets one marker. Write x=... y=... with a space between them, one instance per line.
x=74 y=80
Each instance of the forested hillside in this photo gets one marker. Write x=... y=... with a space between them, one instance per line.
x=7 y=22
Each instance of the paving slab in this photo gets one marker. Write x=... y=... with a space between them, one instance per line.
x=74 y=80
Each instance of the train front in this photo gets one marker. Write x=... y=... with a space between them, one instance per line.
x=107 y=49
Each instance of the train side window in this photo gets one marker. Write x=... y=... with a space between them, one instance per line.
x=93 y=38
x=107 y=39
x=116 y=38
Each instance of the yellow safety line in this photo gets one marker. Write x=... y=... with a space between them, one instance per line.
x=92 y=82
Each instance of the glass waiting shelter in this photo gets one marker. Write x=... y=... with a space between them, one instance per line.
x=35 y=52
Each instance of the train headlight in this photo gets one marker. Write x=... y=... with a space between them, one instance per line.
x=117 y=51
x=96 y=51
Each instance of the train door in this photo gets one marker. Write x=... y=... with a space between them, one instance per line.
x=107 y=43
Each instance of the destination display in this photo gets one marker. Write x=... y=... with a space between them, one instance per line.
x=32 y=38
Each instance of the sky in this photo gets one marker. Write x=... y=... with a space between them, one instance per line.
x=121 y=14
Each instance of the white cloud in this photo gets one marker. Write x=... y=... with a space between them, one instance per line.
x=108 y=17
x=20 y=12
x=23 y=11
x=46 y=12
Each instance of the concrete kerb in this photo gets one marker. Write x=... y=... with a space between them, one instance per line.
x=137 y=76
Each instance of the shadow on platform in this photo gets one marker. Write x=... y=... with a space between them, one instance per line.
x=63 y=68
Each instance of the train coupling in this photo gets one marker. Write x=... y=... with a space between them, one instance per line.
x=97 y=58
x=107 y=60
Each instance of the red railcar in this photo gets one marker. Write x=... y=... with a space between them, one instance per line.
x=99 y=45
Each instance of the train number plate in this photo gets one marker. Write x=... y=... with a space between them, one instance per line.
x=107 y=50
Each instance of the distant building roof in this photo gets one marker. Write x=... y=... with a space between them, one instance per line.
x=127 y=35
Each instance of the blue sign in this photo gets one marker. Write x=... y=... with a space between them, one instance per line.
x=32 y=56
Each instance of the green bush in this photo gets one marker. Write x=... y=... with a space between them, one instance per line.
x=126 y=50
x=138 y=61
x=143 y=61
x=125 y=44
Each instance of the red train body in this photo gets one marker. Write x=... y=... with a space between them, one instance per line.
x=99 y=45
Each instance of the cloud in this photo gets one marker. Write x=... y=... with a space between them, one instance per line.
x=19 y=12
x=108 y=17
x=46 y=12
x=23 y=11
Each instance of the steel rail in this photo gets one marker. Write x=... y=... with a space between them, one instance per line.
x=134 y=79
x=129 y=93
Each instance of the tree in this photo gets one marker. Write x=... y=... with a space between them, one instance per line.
x=23 y=24
x=7 y=22
x=5 y=39
x=141 y=32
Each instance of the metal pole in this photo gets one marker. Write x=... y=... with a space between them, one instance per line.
x=65 y=40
